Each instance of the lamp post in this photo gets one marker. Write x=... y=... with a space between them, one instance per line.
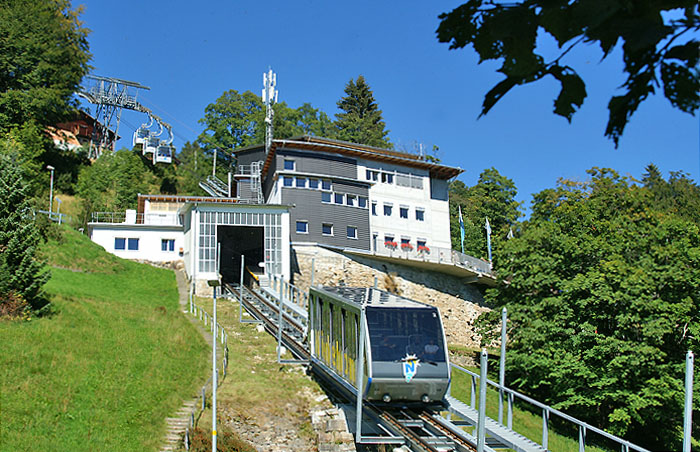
x=213 y=283
x=50 y=168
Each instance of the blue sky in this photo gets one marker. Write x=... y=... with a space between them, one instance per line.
x=189 y=53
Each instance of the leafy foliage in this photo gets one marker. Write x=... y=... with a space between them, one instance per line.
x=360 y=120
x=601 y=290
x=649 y=33
x=22 y=276
x=112 y=183
x=43 y=57
x=493 y=196
x=238 y=119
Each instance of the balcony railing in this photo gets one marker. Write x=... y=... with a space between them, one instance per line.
x=151 y=218
x=434 y=254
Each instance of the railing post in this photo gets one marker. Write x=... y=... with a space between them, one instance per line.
x=502 y=365
x=581 y=438
x=279 y=329
x=375 y=281
x=472 y=400
x=688 y=413
x=240 y=291
x=481 y=425
x=510 y=411
x=545 y=428
x=204 y=397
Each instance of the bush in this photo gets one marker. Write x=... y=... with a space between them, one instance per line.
x=226 y=441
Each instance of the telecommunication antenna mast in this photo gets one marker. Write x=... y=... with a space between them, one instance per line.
x=269 y=97
x=110 y=95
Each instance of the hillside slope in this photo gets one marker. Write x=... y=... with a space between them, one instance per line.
x=105 y=371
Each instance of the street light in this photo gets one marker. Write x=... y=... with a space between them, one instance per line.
x=50 y=168
x=213 y=283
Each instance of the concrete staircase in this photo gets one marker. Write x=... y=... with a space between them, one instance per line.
x=177 y=425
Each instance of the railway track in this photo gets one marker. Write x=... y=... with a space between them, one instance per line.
x=421 y=431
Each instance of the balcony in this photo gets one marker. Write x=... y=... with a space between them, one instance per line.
x=443 y=260
x=131 y=217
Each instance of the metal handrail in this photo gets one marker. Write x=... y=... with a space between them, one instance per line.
x=150 y=218
x=290 y=292
x=546 y=411
x=435 y=254
x=198 y=409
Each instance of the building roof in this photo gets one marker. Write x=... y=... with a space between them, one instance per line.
x=368 y=296
x=320 y=144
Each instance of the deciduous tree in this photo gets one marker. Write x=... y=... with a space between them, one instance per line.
x=658 y=48
x=601 y=289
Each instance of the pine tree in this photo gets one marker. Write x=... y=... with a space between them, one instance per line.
x=361 y=120
x=21 y=274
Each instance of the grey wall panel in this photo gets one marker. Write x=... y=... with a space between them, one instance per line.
x=439 y=189
x=318 y=163
x=248 y=157
x=355 y=189
x=310 y=208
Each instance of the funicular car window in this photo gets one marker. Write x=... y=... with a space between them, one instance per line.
x=395 y=333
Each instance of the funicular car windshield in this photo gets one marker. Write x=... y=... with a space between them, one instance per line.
x=396 y=333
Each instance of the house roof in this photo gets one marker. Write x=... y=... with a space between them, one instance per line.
x=320 y=144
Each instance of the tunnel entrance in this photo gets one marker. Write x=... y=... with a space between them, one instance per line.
x=236 y=241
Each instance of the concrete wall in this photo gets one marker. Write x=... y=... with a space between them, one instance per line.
x=460 y=304
x=149 y=241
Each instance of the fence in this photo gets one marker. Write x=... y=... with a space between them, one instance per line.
x=163 y=219
x=434 y=254
x=289 y=292
x=222 y=335
x=547 y=413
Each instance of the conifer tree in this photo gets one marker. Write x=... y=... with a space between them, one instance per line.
x=361 y=119
x=21 y=274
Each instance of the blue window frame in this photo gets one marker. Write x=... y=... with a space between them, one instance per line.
x=339 y=198
x=352 y=232
x=301 y=182
x=288 y=181
x=289 y=165
x=119 y=243
x=362 y=202
x=350 y=200
x=133 y=244
x=302 y=227
x=325 y=184
x=387 y=210
x=420 y=214
x=403 y=212
x=313 y=183
x=167 y=245
x=374 y=208
x=325 y=196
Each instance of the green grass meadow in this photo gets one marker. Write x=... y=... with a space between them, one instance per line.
x=104 y=371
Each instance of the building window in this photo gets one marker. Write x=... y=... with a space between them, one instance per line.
x=133 y=244
x=288 y=181
x=372 y=175
x=406 y=244
x=167 y=245
x=352 y=232
x=325 y=184
x=119 y=243
x=313 y=183
x=351 y=200
x=374 y=208
x=301 y=182
x=327 y=229
x=362 y=202
x=339 y=198
x=420 y=214
x=387 y=210
x=403 y=212
x=302 y=227
x=325 y=196
x=387 y=178
x=289 y=165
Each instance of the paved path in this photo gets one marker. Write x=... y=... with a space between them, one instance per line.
x=179 y=422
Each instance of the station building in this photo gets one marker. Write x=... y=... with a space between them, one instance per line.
x=207 y=234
